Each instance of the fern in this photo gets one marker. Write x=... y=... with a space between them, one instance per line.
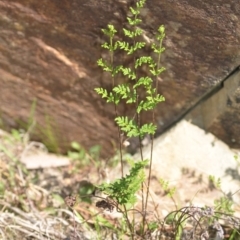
x=123 y=190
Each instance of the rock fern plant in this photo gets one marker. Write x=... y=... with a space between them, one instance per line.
x=141 y=92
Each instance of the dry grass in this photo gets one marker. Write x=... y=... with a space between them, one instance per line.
x=27 y=209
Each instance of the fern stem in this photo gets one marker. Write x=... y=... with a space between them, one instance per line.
x=120 y=143
x=115 y=106
x=130 y=226
x=158 y=64
x=152 y=136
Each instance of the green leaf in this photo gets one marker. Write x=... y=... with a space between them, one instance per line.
x=75 y=146
x=16 y=134
x=104 y=222
x=140 y=4
x=112 y=98
x=134 y=11
x=105 y=45
x=143 y=81
x=141 y=60
x=123 y=45
x=129 y=73
x=95 y=151
x=101 y=91
x=109 y=96
x=138 y=32
x=104 y=65
x=110 y=31
x=161 y=31
x=132 y=98
x=127 y=126
x=58 y=199
x=128 y=33
x=73 y=155
x=148 y=129
x=115 y=46
x=139 y=45
x=132 y=34
x=152 y=226
x=146 y=105
x=116 y=70
x=123 y=90
x=159 y=98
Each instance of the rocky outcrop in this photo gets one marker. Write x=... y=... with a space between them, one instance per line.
x=48 y=53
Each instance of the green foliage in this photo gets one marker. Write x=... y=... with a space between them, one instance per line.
x=141 y=91
x=128 y=126
x=2 y=188
x=124 y=189
x=237 y=158
x=17 y=135
x=153 y=226
x=85 y=191
x=216 y=182
x=168 y=190
x=83 y=157
x=109 y=96
x=124 y=91
x=225 y=205
x=49 y=131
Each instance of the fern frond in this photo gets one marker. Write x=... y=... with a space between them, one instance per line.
x=139 y=45
x=116 y=70
x=104 y=65
x=123 y=45
x=150 y=102
x=109 y=31
x=156 y=72
x=143 y=81
x=127 y=126
x=140 y=3
x=133 y=22
x=124 y=189
x=102 y=92
x=149 y=128
x=132 y=97
x=123 y=90
x=128 y=33
x=129 y=73
x=142 y=60
x=134 y=11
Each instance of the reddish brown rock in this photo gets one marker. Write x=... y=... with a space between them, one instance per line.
x=48 y=52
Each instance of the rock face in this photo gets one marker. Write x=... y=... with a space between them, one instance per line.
x=48 y=53
x=218 y=111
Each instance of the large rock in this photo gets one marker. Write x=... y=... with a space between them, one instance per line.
x=186 y=156
x=48 y=52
